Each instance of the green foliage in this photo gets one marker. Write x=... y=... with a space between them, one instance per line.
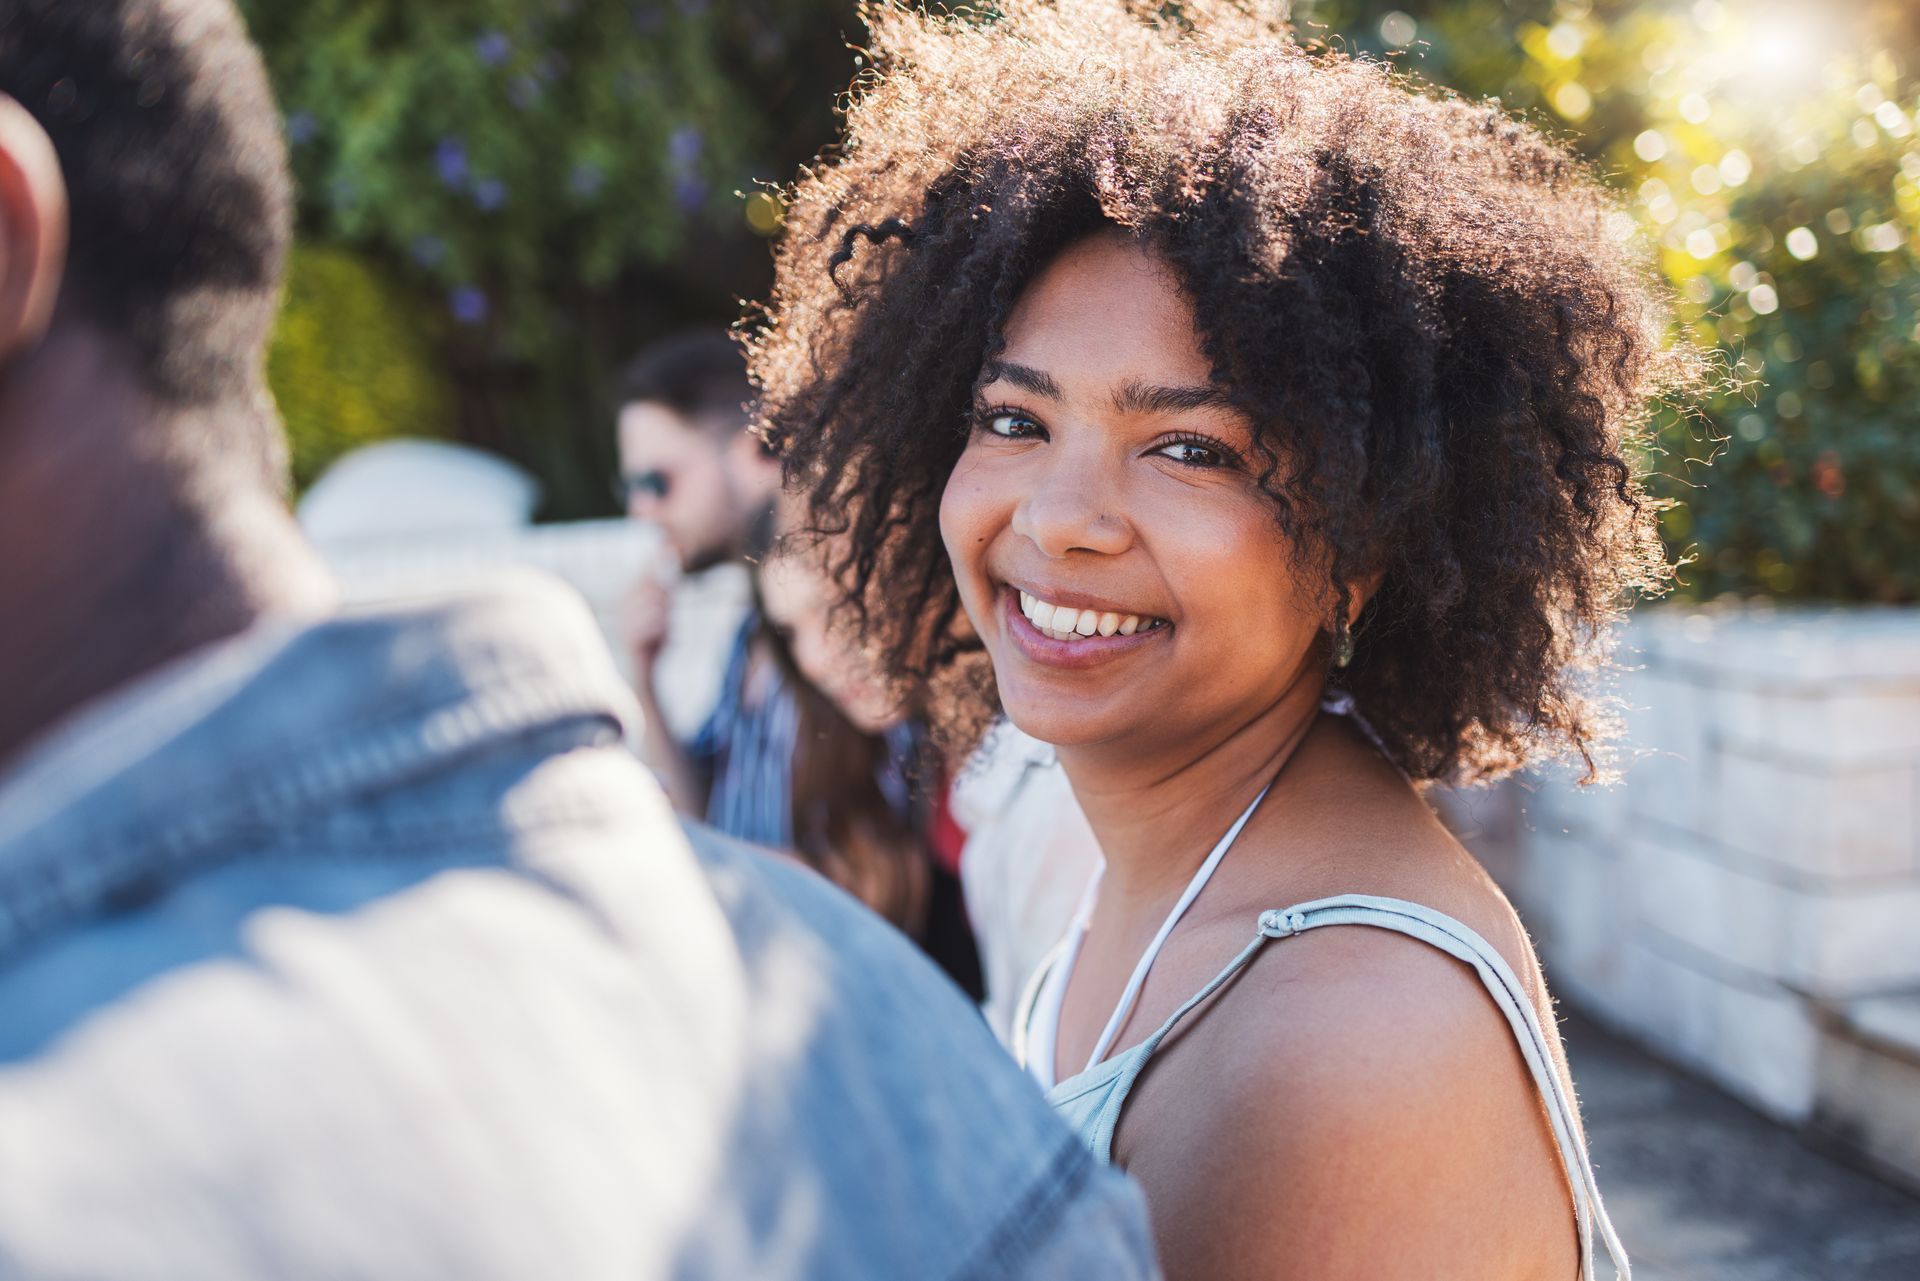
x=354 y=360
x=1812 y=274
x=566 y=177
x=1733 y=128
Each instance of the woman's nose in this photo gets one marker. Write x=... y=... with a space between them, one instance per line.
x=1071 y=508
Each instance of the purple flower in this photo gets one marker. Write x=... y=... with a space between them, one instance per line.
x=450 y=158
x=690 y=194
x=492 y=48
x=683 y=146
x=429 y=251
x=586 y=180
x=468 y=305
x=301 y=128
x=489 y=194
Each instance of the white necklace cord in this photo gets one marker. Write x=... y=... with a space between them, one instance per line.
x=1131 y=995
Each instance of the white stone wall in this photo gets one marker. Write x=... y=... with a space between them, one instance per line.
x=599 y=559
x=1748 y=898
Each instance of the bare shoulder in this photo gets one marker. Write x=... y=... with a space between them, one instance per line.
x=1354 y=1106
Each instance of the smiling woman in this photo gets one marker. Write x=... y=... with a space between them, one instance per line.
x=1443 y=353
x=1263 y=425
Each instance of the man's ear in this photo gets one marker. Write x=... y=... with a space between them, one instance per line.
x=33 y=229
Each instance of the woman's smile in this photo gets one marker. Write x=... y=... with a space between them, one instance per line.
x=1069 y=622
x=1091 y=638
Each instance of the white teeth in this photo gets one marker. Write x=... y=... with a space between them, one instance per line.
x=1066 y=624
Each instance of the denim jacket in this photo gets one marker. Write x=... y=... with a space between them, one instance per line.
x=363 y=948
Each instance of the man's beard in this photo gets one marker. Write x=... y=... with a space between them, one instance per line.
x=756 y=540
x=706 y=559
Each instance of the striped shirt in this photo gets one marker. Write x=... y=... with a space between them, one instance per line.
x=746 y=747
x=746 y=750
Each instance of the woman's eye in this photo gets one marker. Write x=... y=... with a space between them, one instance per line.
x=1014 y=426
x=1194 y=454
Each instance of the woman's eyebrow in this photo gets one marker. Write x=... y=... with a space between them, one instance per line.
x=1033 y=380
x=1145 y=398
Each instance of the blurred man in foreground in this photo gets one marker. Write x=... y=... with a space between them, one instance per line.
x=354 y=944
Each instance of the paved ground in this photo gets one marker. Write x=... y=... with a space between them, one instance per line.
x=1703 y=1189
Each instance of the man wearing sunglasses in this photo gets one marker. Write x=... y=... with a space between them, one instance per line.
x=689 y=467
x=687 y=463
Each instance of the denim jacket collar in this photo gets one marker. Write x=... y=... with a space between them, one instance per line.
x=194 y=762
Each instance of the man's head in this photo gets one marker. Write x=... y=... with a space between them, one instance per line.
x=686 y=460
x=145 y=214
x=176 y=215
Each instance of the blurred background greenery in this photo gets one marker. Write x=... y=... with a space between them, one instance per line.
x=501 y=198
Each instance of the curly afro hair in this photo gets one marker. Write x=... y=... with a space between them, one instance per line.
x=1437 y=321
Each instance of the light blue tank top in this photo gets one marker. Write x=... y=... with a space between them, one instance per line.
x=1090 y=1102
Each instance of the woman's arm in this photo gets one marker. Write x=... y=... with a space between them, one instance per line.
x=663 y=755
x=644 y=612
x=1370 y=1118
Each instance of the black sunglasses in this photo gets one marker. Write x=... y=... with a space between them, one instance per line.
x=631 y=485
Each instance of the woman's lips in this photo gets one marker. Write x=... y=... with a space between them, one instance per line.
x=1081 y=652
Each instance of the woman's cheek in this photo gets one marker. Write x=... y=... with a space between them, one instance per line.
x=1237 y=580
x=966 y=522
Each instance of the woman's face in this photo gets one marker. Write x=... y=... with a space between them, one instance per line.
x=1108 y=535
x=795 y=594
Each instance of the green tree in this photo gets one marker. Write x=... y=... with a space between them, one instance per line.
x=1770 y=153
x=560 y=179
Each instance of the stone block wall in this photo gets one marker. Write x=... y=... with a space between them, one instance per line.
x=600 y=559
x=1747 y=900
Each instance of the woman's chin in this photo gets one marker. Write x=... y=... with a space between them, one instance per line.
x=1060 y=726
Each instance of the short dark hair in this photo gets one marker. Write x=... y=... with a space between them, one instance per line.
x=176 y=173
x=702 y=376
x=1429 y=311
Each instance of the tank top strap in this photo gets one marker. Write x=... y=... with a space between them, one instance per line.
x=1146 y=1048
x=1457 y=940
x=1112 y=1080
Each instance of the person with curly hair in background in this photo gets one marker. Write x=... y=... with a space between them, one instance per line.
x=1254 y=427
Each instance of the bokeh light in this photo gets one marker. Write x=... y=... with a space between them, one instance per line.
x=1398 y=29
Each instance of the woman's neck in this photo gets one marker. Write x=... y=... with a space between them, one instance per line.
x=1158 y=814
